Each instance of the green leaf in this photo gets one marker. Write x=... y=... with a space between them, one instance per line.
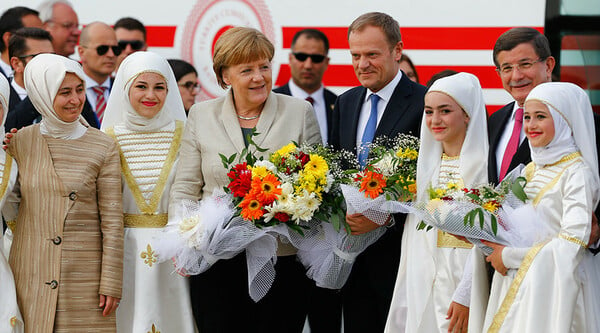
x=224 y=161
x=481 y=217
x=335 y=222
x=494 y=225
x=518 y=188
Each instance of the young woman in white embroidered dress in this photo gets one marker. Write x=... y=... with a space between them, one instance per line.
x=145 y=115
x=10 y=317
x=552 y=286
x=427 y=296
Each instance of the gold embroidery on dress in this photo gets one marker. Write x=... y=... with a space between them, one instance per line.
x=553 y=182
x=449 y=158
x=149 y=256
x=154 y=330
x=514 y=288
x=5 y=175
x=445 y=239
x=573 y=240
x=145 y=220
x=11 y=225
x=143 y=206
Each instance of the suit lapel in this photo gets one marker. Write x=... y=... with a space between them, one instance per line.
x=266 y=120
x=395 y=109
x=352 y=120
x=231 y=123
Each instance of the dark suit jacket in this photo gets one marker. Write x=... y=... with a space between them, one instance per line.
x=368 y=292
x=496 y=123
x=25 y=113
x=14 y=98
x=329 y=96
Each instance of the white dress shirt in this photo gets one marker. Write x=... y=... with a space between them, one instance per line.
x=6 y=69
x=318 y=105
x=385 y=94
x=506 y=134
x=20 y=90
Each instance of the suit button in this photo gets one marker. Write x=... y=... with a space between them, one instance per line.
x=57 y=240
x=73 y=196
x=53 y=284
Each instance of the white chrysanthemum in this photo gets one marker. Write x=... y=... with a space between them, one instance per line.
x=191 y=230
x=266 y=164
x=386 y=165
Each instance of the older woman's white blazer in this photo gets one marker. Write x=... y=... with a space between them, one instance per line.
x=213 y=128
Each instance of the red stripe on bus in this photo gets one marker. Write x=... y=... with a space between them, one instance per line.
x=580 y=42
x=587 y=77
x=160 y=36
x=343 y=75
x=419 y=38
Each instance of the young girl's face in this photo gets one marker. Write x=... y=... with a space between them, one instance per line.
x=445 y=119
x=538 y=123
x=147 y=94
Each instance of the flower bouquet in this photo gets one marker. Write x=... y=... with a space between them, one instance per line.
x=267 y=202
x=389 y=175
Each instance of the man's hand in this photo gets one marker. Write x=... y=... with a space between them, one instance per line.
x=458 y=315
x=109 y=304
x=360 y=224
x=496 y=257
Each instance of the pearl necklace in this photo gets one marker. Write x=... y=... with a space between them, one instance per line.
x=248 y=118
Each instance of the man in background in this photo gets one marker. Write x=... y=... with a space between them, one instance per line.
x=131 y=36
x=308 y=62
x=62 y=23
x=11 y=20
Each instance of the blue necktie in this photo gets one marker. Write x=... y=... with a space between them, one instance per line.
x=369 y=132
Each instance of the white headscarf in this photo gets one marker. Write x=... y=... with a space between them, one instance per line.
x=43 y=76
x=573 y=124
x=119 y=109
x=4 y=97
x=464 y=88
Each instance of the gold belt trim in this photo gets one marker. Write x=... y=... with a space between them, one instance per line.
x=444 y=239
x=11 y=225
x=514 y=288
x=145 y=220
x=573 y=240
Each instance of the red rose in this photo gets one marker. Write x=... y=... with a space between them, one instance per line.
x=283 y=217
x=241 y=185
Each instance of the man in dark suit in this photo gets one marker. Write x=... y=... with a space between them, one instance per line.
x=523 y=60
x=10 y=21
x=308 y=62
x=376 y=47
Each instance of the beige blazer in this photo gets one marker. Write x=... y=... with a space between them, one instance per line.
x=213 y=128
x=68 y=239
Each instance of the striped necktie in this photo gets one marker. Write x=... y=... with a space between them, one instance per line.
x=100 y=101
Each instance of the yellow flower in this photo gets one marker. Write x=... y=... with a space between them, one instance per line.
x=490 y=206
x=452 y=186
x=439 y=192
x=283 y=152
x=260 y=171
x=316 y=165
x=407 y=153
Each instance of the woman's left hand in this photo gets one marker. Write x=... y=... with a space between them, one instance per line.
x=360 y=224
x=109 y=304
x=496 y=257
x=458 y=315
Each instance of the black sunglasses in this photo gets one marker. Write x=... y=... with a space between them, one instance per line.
x=135 y=44
x=102 y=49
x=316 y=58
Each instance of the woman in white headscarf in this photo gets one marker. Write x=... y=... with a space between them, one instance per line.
x=67 y=251
x=10 y=317
x=454 y=148
x=552 y=286
x=145 y=115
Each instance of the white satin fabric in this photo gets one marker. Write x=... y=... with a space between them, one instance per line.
x=155 y=297
x=10 y=317
x=556 y=289
x=429 y=275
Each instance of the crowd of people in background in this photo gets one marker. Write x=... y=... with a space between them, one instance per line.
x=100 y=151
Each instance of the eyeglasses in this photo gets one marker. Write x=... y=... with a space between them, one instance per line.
x=102 y=49
x=135 y=44
x=189 y=85
x=316 y=58
x=68 y=25
x=522 y=66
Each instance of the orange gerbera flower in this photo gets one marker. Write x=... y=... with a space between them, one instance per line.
x=266 y=189
x=372 y=184
x=252 y=209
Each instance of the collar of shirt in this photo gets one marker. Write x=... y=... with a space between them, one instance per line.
x=20 y=90
x=6 y=68
x=90 y=83
x=385 y=93
x=317 y=96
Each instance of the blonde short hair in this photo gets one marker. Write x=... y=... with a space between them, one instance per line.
x=240 y=45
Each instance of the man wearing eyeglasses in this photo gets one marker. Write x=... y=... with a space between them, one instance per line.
x=23 y=45
x=131 y=36
x=62 y=23
x=308 y=62
x=11 y=20
x=98 y=50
